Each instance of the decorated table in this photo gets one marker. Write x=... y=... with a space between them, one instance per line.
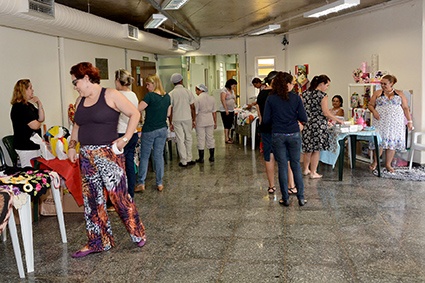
x=246 y=124
x=69 y=171
x=23 y=185
x=336 y=153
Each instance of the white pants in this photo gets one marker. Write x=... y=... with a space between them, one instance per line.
x=25 y=156
x=205 y=136
x=183 y=130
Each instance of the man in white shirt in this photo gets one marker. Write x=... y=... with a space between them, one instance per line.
x=182 y=119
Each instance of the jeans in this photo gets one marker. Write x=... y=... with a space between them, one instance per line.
x=129 y=162
x=156 y=140
x=287 y=147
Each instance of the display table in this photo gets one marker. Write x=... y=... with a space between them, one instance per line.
x=246 y=125
x=68 y=171
x=23 y=185
x=338 y=146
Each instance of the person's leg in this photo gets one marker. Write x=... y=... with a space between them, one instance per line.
x=200 y=136
x=269 y=160
x=291 y=183
x=146 y=143
x=314 y=162
x=375 y=160
x=294 y=155
x=98 y=226
x=209 y=137
x=158 y=154
x=231 y=119
x=280 y=153
x=187 y=129
x=306 y=163
x=178 y=129
x=129 y=163
x=389 y=156
x=112 y=171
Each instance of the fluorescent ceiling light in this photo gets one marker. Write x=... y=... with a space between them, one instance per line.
x=174 y=4
x=155 y=21
x=331 y=8
x=186 y=47
x=265 y=29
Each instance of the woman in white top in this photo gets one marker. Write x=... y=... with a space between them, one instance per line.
x=227 y=107
x=123 y=80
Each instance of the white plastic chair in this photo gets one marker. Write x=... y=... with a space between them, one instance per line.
x=416 y=145
x=13 y=235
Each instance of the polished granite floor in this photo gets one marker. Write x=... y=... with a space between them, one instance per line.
x=215 y=222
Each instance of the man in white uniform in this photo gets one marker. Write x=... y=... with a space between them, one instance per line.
x=182 y=119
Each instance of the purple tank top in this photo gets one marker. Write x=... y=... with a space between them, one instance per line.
x=97 y=123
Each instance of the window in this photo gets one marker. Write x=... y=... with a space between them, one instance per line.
x=264 y=65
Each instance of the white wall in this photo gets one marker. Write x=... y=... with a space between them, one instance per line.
x=31 y=56
x=338 y=47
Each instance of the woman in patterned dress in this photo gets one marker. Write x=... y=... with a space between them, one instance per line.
x=389 y=108
x=315 y=135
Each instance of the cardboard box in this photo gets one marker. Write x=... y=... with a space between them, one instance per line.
x=70 y=206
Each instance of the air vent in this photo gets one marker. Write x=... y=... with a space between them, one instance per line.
x=131 y=32
x=39 y=8
x=175 y=45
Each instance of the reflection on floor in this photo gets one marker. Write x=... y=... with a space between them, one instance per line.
x=215 y=222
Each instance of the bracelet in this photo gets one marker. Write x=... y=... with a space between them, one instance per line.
x=410 y=121
x=72 y=144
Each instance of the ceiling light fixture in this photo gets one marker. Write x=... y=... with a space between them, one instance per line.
x=265 y=29
x=331 y=8
x=174 y=4
x=155 y=21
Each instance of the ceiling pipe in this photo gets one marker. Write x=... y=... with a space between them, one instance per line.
x=165 y=13
x=74 y=24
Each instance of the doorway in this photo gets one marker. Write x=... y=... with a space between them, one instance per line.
x=139 y=71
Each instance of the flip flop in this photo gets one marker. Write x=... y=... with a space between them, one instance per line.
x=80 y=253
x=292 y=191
x=229 y=141
x=271 y=190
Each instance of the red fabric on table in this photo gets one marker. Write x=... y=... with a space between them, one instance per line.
x=70 y=172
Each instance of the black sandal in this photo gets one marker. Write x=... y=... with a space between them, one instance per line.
x=271 y=190
x=292 y=191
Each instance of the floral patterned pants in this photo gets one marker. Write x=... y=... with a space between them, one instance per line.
x=103 y=173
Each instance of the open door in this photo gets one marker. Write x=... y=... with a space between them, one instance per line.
x=140 y=70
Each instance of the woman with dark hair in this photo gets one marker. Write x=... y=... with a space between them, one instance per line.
x=27 y=115
x=101 y=160
x=315 y=136
x=337 y=109
x=283 y=110
x=389 y=108
x=266 y=131
x=227 y=107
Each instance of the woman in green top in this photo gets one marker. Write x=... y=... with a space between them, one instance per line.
x=157 y=105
